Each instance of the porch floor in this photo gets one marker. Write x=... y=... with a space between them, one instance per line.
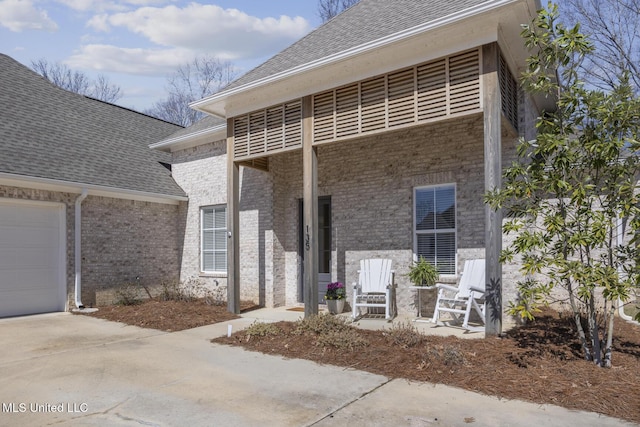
x=370 y=323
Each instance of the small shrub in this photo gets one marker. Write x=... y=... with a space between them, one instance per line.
x=449 y=355
x=191 y=290
x=404 y=334
x=216 y=296
x=261 y=329
x=348 y=339
x=321 y=323
x=169 y=291
x=128 y=294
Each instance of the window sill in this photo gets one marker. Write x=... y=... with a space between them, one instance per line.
x=216 y=275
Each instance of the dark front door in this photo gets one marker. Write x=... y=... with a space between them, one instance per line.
x=324 y=247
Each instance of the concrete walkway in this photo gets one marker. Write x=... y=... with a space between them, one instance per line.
x=61 y=369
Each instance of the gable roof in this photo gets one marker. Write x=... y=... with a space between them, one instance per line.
x=55 y=135
x=372 y=38
x=207 y=129
x=366 y=21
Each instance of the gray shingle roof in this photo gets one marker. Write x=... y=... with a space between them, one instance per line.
x=51 y=133
x=365 y=22
x=204 y=123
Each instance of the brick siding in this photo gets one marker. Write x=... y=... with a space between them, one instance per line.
x=121 y=239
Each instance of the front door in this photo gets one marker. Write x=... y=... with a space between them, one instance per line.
x=324 y=247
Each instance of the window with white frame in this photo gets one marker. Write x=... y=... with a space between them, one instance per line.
x=435 y=226
x=213 y=239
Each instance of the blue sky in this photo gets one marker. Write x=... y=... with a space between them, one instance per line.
x=137 y=43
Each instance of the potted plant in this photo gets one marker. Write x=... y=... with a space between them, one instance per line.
x=422 y=273
x=335 y=297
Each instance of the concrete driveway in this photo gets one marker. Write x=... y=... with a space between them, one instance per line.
x=61 y=369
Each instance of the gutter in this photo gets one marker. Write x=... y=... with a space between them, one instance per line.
x=78 y=247
x=16 y=180
x=168 y=143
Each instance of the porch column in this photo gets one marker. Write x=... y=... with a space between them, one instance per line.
x=492 y=179
x=233 y=226
x=310 y=214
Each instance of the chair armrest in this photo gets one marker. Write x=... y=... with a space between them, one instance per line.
x=447 y=287
x=476 y=289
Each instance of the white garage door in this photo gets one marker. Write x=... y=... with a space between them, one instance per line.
x=32 y=257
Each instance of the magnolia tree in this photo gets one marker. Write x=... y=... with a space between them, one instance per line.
x=569 y=190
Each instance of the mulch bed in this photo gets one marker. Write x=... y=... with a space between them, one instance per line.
x=539 y=362
x=169 y=316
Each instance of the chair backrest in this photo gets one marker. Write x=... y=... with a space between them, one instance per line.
x=472 y=275
x=375 y=275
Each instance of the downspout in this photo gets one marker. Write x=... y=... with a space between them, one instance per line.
x=78 y=247
x=620 y=230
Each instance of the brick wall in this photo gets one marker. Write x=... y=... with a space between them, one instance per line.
x=201 y=172
x=121 y=239
x=127 y=241
x=371 y=182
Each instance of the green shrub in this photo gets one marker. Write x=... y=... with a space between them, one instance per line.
x=422 y=273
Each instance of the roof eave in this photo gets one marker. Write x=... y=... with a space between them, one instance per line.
x=192 y=139
x=25 y=181
x=216 y=103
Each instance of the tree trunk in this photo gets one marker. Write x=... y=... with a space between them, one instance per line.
x=578 y=322
x=594 y=330
x=608 y=346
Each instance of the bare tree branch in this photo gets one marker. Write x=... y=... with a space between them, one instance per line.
x=195 y=80
x=327 y=9
x=614 y=28
x=76 y=81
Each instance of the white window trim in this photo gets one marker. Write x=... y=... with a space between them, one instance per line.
x=216 y=273
x=448 y=230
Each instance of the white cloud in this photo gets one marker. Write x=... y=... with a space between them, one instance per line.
x=19 y=15
x=99 y=23
x=102 y=6
x=137 y=61
x=226 y=33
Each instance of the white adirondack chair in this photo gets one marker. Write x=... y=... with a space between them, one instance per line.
x=375 y=287
x=468 y=295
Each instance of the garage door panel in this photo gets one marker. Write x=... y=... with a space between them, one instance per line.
x=25 y=302
x=32 y=247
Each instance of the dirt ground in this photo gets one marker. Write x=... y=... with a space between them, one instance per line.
x=540 y=362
